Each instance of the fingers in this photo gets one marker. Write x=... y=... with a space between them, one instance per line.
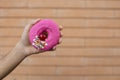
x=60 y=27
x=35 y=21
x=32 y=50
x=60 y=41
x=61 y=34
x=27 y=28
x=54 y=48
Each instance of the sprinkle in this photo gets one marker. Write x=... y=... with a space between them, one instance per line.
x=38 y=43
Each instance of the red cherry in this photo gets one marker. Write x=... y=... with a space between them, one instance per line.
x=43 y=36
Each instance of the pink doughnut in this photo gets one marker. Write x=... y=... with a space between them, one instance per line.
x=51 y=34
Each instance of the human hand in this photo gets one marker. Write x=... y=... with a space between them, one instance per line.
x=24 y=43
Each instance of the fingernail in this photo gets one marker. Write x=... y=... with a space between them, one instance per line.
x=61 y=34
x=35 y=21
x=60 y=40
x=54 y=48
x=60 y=27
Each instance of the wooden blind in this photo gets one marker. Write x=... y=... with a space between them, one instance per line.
x=91 y=44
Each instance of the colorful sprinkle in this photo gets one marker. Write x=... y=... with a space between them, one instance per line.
x=39 y=44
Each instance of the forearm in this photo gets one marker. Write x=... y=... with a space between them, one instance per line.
x=22 y=50
x=11 y=60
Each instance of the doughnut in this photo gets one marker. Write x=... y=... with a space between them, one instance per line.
x=44 y=34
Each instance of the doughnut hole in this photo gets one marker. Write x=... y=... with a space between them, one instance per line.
x=43 y=36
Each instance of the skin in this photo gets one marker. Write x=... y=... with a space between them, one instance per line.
x=22 y=50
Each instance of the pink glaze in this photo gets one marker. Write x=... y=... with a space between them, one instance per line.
x=53 y=33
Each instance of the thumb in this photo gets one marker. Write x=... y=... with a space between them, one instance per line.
x=31 y=50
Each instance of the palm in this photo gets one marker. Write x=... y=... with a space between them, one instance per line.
x=29 y=49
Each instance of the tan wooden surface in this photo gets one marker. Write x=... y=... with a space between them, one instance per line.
x=91 y=42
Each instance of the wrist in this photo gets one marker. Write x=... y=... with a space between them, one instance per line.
x=20 y=49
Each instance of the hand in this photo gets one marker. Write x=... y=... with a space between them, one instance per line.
x=24 y=43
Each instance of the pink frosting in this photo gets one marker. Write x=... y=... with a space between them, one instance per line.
x=53 y=33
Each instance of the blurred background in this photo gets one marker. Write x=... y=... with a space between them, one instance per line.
x=91 y=42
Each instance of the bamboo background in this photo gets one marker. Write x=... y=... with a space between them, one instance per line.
x=91 y=44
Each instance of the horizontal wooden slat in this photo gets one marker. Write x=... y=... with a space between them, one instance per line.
x=103 y=4
x=64 y=13
x=34 y=70
x=75 y=4
x=103 y=23
x=117 y=33
x=13 y=3
x=37 y=77
x=87 y=32
x=117 y=13
x=87 y=13
x=8 y=41
x=60 y=4
x=56 y=78
x=82 y=52
x=37 y=70
x=28 y=13
x=116 y=70
x=11 y=32
x=18 y=77
x=84 y=70
x=75 y=77
x=96 y=23
x=74 y=61
x=68 y=32
x=73 y=52
x=102 y=77
x=12 y=22
x=102 y=42
x=22 y=22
